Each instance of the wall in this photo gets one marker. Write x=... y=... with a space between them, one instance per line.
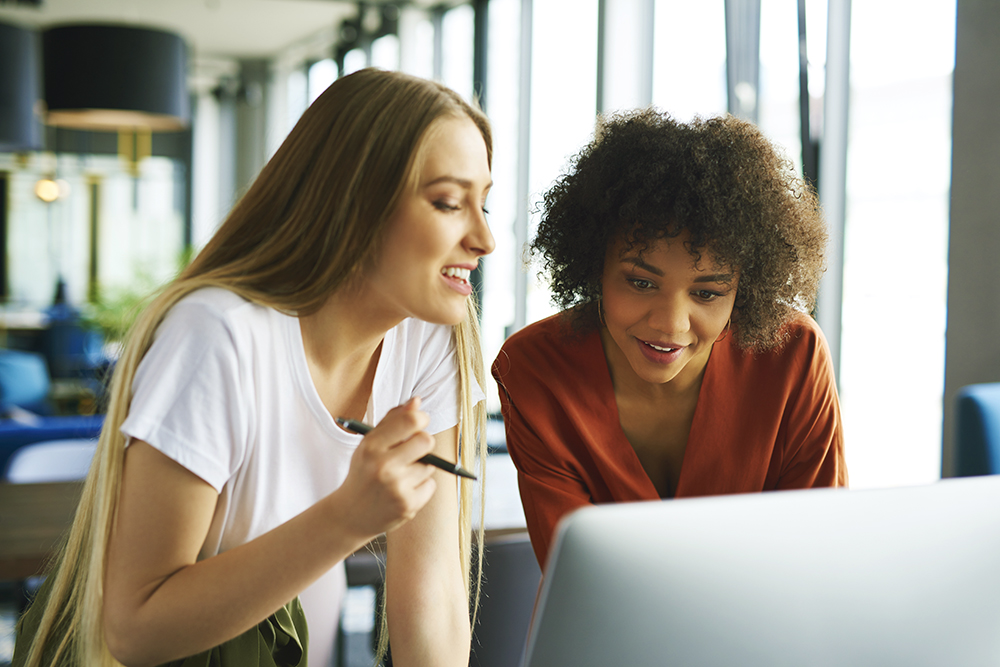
x=973 y=336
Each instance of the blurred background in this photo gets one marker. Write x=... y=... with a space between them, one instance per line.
x=102 y=216
x=866 y=98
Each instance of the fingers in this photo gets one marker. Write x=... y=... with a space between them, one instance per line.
x=399 y=427
x=385 y=474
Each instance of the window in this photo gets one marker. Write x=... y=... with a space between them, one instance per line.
x=896 y=240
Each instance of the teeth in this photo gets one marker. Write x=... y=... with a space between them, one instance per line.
x=455 y=272
x=661 y=349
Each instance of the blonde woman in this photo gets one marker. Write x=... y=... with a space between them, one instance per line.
x=222 y=487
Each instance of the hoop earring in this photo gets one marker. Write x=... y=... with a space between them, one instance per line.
x=600 y=313
x=729 y=326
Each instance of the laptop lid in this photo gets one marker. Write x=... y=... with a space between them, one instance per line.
x=823 y=577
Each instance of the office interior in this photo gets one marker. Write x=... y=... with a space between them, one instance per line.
x=885 y=106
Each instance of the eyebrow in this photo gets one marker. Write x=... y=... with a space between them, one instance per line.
x=709 y=278
x=463 y=182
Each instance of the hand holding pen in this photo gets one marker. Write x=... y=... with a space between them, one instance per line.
x=386 y=486
x=430 y=459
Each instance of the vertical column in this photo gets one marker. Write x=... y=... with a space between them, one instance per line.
x=4 y=280
x=523 y=161
x=437 y=20
x=833 y=167
x=480 y=48
x=972 y=353
x=93 y=215
x=743 y=57
x=624 y=54
x=251 y=122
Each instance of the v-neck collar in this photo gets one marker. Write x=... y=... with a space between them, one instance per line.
x=297 y=359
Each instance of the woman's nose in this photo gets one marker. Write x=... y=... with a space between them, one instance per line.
x=480 y=239
x=670 y=316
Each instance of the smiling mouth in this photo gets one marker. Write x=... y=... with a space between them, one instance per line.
x=457 y=273
x=661 y=349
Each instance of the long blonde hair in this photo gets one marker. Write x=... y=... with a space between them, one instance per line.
x=309 y=223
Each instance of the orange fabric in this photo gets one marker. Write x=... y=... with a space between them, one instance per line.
x=763 y=422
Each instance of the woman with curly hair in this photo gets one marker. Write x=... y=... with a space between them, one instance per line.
x=687 y=258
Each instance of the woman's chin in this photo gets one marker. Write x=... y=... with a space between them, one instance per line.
x=445 y=316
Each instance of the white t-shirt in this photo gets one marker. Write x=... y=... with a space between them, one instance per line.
x=225 y=391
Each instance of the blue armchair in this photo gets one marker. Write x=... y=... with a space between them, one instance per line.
x=24 y=388
x=977 y=448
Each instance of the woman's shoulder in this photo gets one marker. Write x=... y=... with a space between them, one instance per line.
x=801 y=334
x=555 y=347
x=802 y=352
x=214 y=300
x=566 y=328
x=217 y=303
x=217 y=316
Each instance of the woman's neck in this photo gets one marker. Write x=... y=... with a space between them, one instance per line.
x=342 y=342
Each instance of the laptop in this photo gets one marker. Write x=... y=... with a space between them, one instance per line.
x=817 y=578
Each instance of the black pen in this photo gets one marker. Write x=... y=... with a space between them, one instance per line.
x=361 y=428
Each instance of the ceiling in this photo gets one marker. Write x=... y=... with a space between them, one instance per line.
x=226 y=28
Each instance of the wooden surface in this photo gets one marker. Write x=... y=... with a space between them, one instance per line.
x=33 y=518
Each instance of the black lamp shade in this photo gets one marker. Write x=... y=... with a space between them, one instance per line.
x=106 y=77
x=20 y=89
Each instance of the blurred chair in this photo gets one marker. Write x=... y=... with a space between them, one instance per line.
x=24 y=389
x=977 y=448
x=510 y=584
x=24 y=381
x=51 y=461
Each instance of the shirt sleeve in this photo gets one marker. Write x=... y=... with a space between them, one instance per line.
x=187 y=399
x=814 y=447
x=437 y=382
x=549 y=485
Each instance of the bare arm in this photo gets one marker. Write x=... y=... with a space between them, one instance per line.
x=426 y=599
x=160 y=604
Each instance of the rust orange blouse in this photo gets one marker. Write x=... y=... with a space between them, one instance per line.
x=763 y=422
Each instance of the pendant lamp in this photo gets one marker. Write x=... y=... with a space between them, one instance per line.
x=110 y=77
x=20 y=89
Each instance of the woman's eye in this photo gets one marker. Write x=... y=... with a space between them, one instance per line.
x=640 y=283
x=445 y=206
x=706 y=295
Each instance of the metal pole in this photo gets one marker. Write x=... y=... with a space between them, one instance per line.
x=810 y=166
x=833 y=166
x=523 y=162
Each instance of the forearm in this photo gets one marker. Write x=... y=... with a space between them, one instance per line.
x=428 y=615
x=427 y=605
x=209 y=602
x=161 y=603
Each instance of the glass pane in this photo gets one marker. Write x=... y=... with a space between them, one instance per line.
x=563 y=104
x=896 y=241
x=385 y=52
x=778 y=98
x=139 y=227
x=416 y=34
x=502 y=95
x=354 y=60
x=297 y=94
x=321 y=74
x=458 y=28
x=689 y=58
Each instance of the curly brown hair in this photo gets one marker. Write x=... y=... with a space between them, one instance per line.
x=646 y=176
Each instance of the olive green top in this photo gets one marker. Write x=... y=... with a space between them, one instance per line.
x=280 y=640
